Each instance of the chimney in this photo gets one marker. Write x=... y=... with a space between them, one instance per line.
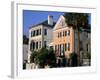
x=50 y=20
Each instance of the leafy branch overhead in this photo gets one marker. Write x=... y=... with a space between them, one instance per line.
x=77 y=20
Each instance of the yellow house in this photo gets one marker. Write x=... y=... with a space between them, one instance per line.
x=63 y=38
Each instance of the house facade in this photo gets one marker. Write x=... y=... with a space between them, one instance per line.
x=65 y=40
x=85 y=46
x=40 y=35
x=61 y=37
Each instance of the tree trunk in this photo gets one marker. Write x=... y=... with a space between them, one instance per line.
x=78 y=47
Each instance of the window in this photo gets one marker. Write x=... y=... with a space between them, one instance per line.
x=68 y=32
x=68 y=46
x=33 y=33
x=65 y=46
x=37 y=32
x=33 y=44
x=65 y=33
x=60 y=49
x=36 y=45
x=45 y=44
x=45 y=31
x=63 y=49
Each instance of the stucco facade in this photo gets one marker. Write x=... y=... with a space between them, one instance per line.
x=66 y=40
x=63 y=38
x=40 y=35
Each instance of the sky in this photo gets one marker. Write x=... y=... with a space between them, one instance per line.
x=31 y=17
x=34 y=17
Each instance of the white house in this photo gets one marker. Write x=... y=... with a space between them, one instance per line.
x=40 y=35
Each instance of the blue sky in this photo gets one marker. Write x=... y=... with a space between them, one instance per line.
x=34 y=17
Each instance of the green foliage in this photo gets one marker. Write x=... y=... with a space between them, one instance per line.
x=33 y=56
x=74 y=59
x=77 y=19
x=51 y=57
x=43 y=56
x=87 y=56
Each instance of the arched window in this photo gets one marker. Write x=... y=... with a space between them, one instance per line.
x=32 y=45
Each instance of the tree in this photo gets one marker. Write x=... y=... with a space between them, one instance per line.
x=74 y=59
x=43 y=56
x=33 y=56
x=77 y=21
x=51 y=58
x=89 y=57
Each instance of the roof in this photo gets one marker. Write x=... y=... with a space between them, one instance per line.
x=45 y=23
